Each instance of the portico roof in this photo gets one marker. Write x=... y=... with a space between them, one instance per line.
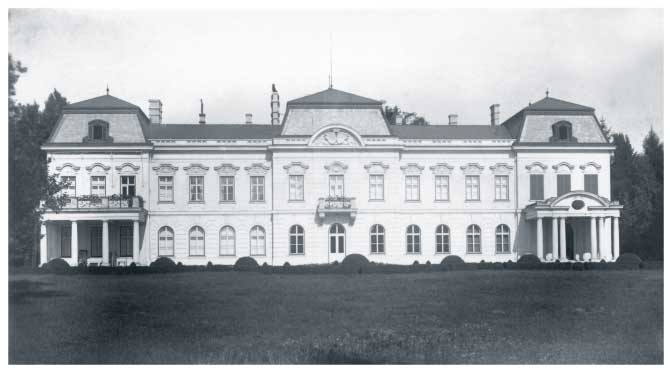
x=573 y=204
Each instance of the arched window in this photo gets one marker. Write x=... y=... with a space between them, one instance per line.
x=474 y=239
x=227 y=241
x=336 y=238
x=296 y=236
x=442 y=239
x=562 y=132
x=196 y=242
x=257 y=240
x=165 y=241
x=98 y=131
x=377 y=239
x=413 y=239
x=502 y=239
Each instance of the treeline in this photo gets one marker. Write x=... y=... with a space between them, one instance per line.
x=637 y=178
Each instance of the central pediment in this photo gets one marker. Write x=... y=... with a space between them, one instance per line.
x=336 y=136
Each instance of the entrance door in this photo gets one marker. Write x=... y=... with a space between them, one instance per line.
x=336 y=238
x=569 y=242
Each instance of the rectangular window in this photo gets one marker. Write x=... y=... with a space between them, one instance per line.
x=472 y=187
x=336 y=184
x=66 y=241
x=227 y=188
x=196 y=188
x=591 y=183
x=296 y=187
x=563 y=184
x=441 y=188
x=128 y=185
x=126 y=241
x=98 y=186
x=96 y=241
x=69 y=185
x=502 y=187
x=536 y=187
x=376 y=187
x=257 y=188
x=165 y=189
x=412 y=183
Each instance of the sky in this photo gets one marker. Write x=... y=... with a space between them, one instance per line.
x=432 y=62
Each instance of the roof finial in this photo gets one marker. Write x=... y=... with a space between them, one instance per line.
x=107 y=89
x=547 y=93
x=330 y=77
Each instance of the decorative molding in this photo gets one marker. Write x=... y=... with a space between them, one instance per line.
x=472 y=168
x=165 y=169
x=412 y=169
x=590 y=163
x=563 y=163
x=66 y=165
x=227 y=169
x=134 y=168
x=336 y=167
x=376 y=167
x=535 y=164
x=441 y=168
x=501 y=168
x=196 y=169
x=336 y=136
x=257 y=169
x=296 y=168
x=97 y=164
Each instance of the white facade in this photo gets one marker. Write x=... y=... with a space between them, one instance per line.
x=333 y=179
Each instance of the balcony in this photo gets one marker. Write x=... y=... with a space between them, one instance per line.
x=89 y=202
x=337 y=205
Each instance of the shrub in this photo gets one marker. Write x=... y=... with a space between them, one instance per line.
x=210 y=265
x=246 y=263
x=498 y=266
x=416 y=263
x=56 y=266
x=355 y=259
x=287 y=264
x=579 y=266
x=163 y=263
x=133 y=265
x=629 y=258
x=452 y=259
x=335 y=263
x=428 y=262
x=529 y=258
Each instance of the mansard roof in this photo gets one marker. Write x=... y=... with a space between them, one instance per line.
x=450 y=132
x=103 y=102
x=212 y=131
x=553 y=104
x=332 y=96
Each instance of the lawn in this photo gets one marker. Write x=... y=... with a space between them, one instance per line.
x=482 y=316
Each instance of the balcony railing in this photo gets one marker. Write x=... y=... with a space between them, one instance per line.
x=106 y=202
x=329 y=205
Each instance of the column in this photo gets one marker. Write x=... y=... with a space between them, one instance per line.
x=608 y=238
x=594 y=240
x=43 y=244
x=75 y=243
x=136 y=241
x=554 y=238
x=105 y=242
x=540 y=248
x=563 y=257
x=615 y=237
x=601 y=238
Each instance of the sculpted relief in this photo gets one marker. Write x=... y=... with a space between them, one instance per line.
x=336 y=137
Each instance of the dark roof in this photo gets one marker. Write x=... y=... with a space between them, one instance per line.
x=450 y=132
x=212 y=131
x=332 y=96
x=553 y=104
x=102 y=102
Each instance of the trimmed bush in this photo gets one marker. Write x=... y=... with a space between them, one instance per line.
x=452 y=259
x=246 y=263
x=163 y=263
x=355 y=259
x=629 y=258
x=498 y=266
x=651 y=265
x=56 y=266
x=210 y=265
x=529 y=258
x=427 y=262
x=286 y=264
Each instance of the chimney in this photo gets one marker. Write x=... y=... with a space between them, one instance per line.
x=453 y=119
x=274 y=104
x=495 y=114
x=247 y=119
x=201 y=121
x=398 y=118
x=156 y=111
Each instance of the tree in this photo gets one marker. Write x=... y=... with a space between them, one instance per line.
x=653 y=154
x=407 y=118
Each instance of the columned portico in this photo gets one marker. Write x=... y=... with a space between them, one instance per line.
x=594 y=239
x=540 y=239
x=136 y=240
x=105 y=242
x=554 y=238
x=75 y=242
x=562 y=256
x=615 y=235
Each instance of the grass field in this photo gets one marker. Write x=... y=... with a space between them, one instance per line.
x=443 y=317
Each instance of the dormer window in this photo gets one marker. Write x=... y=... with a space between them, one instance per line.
x=98 y=131
x=562 y=132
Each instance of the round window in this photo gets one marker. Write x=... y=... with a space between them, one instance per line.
x=577 y=204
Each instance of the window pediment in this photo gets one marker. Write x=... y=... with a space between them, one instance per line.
x=590 y=166
x=563 y=167
x=127 y=168
x=441 y=168
x=376 y=168
x=98 y=168
x=336 y=167
x=412 y=169
x=196 y=169
x=472 y=168
x=536 y=167
x=296 y=168
x=226 y=169
x=501 y=168
x=67 y=168
x=257 y=169
x=165 y=169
